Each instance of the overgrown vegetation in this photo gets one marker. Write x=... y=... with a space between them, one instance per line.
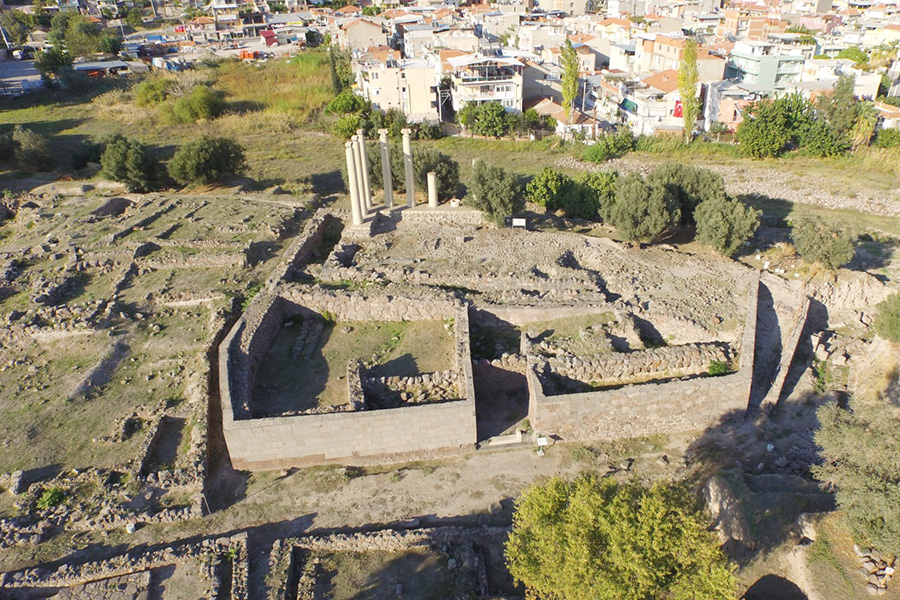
x=495 y=191
x=887 y=323
x=818 y=242
x=597 y=539
x=206 y=160
x=129 y=161
x=858 y=446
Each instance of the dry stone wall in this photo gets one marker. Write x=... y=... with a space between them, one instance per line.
x=619 y=368
x=347 y=437
x=648 y=408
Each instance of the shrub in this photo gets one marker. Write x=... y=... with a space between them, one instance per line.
x=887 y=323
x=491 y=120
x=206 y=160
x=32 y=150
x=765 y=131
x=857 y=446
x=725 y=223
x=50 y=498
x=546 y=189
x=152 y=91
x=446 y=169
x=594 y=538
x=129 y=162
x=887 y=138
x=596 y=153
x=817 y=242
x=494 y=191
x=346 y=126
x=7 y=149
x=718 y=367
x=346 y=102
x=643 y=211
x=689 y=185
x=600 y=187
x=202 y=103
x=76 y=82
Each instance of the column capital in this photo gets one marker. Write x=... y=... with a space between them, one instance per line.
x=382 y=131
x=406 y=131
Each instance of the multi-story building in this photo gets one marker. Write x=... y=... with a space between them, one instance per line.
x=758 y=63
x=534 y=38
x=661 y=52
x=409 y=85
x=743 y=24
x=361 y=33
x=478 y=79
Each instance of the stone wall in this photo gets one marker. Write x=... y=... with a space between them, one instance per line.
x=444 y=215
x=345 y=437
x=302 y=248
x=648 y=408
x=625 y=367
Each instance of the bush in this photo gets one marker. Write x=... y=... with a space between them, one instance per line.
x=346 y=102
x=600 y=188
x=50 y=498
x=129 y=162
x=446 y=169
x=7 y=149
x=490 y=120
x=887 y=138
x=494 y=191
x=858 y=446
x=887 y=323
x=202 y=103
x=32 y=150
x=764 y=132
x=718 y=367
x=594 y=538
x=610 y=145
x=817 y=242
x=76 y=82
x=151 y=92
x=643 y=211
x=689 y=185
x=346 y=126
x=206 y=160
x=725 y=223
x=546 y=189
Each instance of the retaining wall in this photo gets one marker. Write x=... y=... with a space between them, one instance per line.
x=343 y=437
x=648 y=408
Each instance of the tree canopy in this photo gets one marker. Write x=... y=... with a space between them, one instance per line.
x=688 y=76
x=592 y=538
x=495 y=191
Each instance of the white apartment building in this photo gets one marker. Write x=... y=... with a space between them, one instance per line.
x=479 y=79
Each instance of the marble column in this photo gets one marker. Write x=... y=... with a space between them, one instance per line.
x=432 y=190
x=352 y=183
x=386 y=168
x=365 y=165
x=360 y=179
x=408 y=165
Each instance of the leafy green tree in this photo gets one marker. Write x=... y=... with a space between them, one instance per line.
x=689 y=185
x=821 y=140
x=495 y=191
x=17 y=26
x=569 y=64
x=134 y=19
x=764 y=132
x=854 y=53
x=546 y=189
x=817 y=242
x=860 y=447
x=51 y=60
x=346 y=102
x=688 y=76
x=82 y=37
x=32 y=150
x=887 y=323
x=202 y=103
x=151 y=92
x=129 y=162
x=207 y=159
x=600 y=189
x=446 y=169
x=467 y=115
x=725 y=223
x=840 y=109
x=109 y=43
x=341 y=72
x=593 y=538
x=491 y=120
x=643 y=211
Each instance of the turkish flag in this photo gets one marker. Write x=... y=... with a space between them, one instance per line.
x=679 y=110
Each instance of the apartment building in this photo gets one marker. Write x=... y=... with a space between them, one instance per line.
x=759 y=63
x=478 y=78
x=409 y=85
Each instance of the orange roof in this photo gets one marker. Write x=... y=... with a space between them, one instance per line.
x=893 y=27
x=441 y=13
x=665 y=81
x=582 y=38
x=393 y=13
x=615 y=21
x=202 y=21
x=349 y=10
